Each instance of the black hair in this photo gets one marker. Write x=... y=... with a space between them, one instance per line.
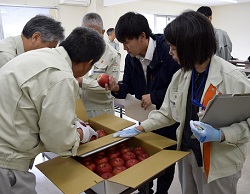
x=194 y=38
x=50 y=29
x=205 y=10
x=130 y=26
x=84 y=44
x=110 y=30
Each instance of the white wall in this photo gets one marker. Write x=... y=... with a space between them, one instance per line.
x=111 y=14
x=234 y=19
x=71 y=16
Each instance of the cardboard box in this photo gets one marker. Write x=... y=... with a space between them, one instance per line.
x=71 y=177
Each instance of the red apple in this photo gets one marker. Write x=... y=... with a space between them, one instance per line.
x=106 y=175
x=101 y=168
x=128 y=155
x=123 y=144
x=90 y=165
x=116 y=162
x=101 y=153
x=101 y=133
x=118 y=169
x=131 y=162
x=100 y=159
x=103 y=79
x=124 y=149
x=142 y=156
x=93 y=138
x=139 y=150
x=113 y=154
x=111 y=149
x=87 y=158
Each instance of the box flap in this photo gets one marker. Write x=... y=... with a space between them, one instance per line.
x=97 y=145
x=68 y=175
x=80 y=111
x=144 y=170
x=107 y=187
x=110 y=121
x=156 y=140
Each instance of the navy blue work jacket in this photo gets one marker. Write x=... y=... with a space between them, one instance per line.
x=159 y=75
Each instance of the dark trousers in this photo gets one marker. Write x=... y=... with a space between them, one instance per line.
x=164 y=181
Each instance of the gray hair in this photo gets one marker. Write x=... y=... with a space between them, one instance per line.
x=92 y=19
x=50 y=29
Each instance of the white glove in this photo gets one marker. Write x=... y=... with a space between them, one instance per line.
x=87 y=131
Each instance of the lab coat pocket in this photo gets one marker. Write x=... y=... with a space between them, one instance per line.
x=100 y=68
x=175 y=105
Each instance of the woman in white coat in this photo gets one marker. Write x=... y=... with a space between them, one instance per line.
x=216 y=155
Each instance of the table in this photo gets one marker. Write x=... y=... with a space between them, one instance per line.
x=119 y=106
x=240 y=62
x=244 y=65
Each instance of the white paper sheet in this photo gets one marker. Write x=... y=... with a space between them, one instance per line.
x=134 y=110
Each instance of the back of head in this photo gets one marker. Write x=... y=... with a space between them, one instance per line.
x=83 y=45
x=110 y=30
x=206 y=11
x=194 y=38
x=94 y=21
x=50 y=29
x=130 y=26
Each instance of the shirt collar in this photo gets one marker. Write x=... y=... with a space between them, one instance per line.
x=19 y=44
x=64 y=53
x=150 y=50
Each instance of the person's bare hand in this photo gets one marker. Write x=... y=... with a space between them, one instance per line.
x=146 y=101
x=113 y=86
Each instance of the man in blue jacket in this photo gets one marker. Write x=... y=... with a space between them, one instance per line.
x=148 y=71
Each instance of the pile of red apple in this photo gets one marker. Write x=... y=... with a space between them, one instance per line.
x=101 y=133
x=113 y=160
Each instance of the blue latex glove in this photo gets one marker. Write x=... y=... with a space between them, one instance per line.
x=131 y=132
x=204 y=132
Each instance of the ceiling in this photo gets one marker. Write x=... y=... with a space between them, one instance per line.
x=210 y=2
x=197 y=2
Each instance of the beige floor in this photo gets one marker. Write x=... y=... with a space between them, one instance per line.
x=44 y=186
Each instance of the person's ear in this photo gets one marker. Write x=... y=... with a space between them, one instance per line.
x=80 y=69
x=87 y=66
x=143 y=36
x=35 y=37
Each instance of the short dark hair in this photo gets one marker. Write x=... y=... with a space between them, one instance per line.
x=130 y=26
x=50 y=29
x=84 y=44
x=205 y=10
x=110 y=30
x=194 y=38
